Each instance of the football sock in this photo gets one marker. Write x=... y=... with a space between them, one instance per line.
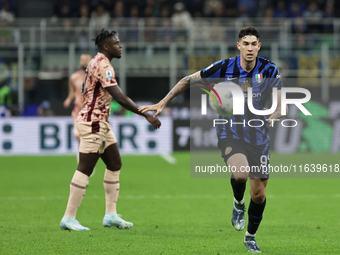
x=238 y=188
x=255 y=212
x=248 y=234
x=111 y=187
x=77 y=192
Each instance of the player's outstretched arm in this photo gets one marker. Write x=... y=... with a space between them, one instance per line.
x=182 y=85
x=71 y=95
x=127 y=103
x=277 y=113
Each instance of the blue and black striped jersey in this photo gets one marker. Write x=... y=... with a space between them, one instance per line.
x=262 y=78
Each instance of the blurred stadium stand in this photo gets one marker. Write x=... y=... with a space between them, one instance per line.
x=40 y=42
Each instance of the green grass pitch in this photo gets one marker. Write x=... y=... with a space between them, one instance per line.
x=172 y=213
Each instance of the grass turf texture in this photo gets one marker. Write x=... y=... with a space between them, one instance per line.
x=172 y=213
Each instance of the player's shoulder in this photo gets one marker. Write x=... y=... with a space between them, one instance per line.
x=224 y=62
x=266 y=62
x=75 y=75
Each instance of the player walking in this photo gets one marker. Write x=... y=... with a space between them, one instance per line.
x=76 y=83
x=96 y=137
x=241 y=146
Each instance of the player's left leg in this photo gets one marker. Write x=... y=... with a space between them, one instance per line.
x=77 y=136
x=112 y=160
x=255 y=211
x=88 y=157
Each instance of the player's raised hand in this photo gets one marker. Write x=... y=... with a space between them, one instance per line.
x=158 y=108
x=154 y=121
x=67 y=103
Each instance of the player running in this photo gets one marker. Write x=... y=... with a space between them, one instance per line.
x=96 y=137
x=76 y=83
x=241 y=146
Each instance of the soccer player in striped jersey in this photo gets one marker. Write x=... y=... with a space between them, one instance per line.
x=241 y=145
x=96 y=137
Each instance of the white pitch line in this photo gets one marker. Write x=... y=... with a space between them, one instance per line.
x=170 y=159
x=184 y=196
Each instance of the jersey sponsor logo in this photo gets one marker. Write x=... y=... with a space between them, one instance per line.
x=108 y=75
x=228 y=150
x=231 y=78
x=245 y=86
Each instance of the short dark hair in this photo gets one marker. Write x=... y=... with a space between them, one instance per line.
x=248 y=31
x=103 y=36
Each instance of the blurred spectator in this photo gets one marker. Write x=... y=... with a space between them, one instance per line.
x=100 y=17
x=299 y=26
x=280 y=10
x=301 y=43
x=44 y=109
x=266 y=31
x=84 y=14
x=68 y=32
x=201 y=31
x=314 y=16
x=181 y=19
x=247 y=8
x=165 y=11
x=118 y=10
x=165 y=32
x=132 y=33
x=5 y=13
x=268 y=16
x=210 y=7
x=217 y=33
x=82 y=28
x=231 y=9
x=134 y=11
x=313 y=12
x=108 y=4
x=65 y=11
x=218 y=13
x=150 y=34
x=329 y=13
x=150 y=10
x=295 y=10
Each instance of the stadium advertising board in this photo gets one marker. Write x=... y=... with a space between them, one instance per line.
x=54 y=135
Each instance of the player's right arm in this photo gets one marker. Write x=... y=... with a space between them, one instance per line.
x=127 y=103
x=71 y=94
x=182 y=85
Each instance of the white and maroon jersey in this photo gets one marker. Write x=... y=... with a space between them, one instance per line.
x=96 y=104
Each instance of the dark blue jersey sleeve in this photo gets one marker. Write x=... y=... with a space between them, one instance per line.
x=275 y=78
x=212 y=73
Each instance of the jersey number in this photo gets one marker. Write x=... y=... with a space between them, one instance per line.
x=84 y=83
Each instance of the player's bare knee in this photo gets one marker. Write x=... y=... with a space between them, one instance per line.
x=258 y=197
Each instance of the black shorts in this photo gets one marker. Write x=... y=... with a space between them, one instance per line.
x=257 y=155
